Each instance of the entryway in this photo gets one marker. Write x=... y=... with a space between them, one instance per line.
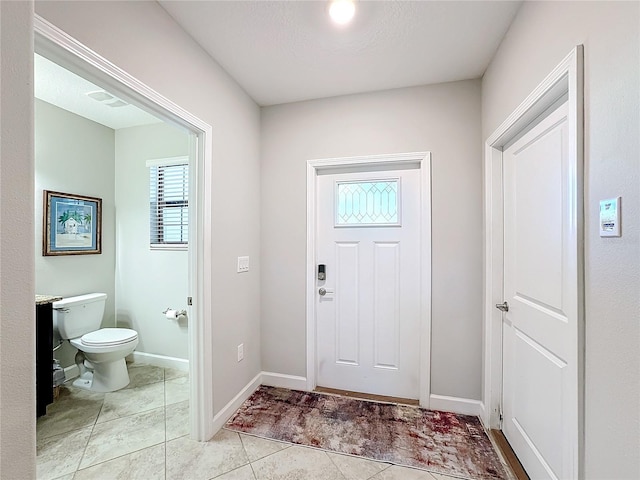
x=369 y=275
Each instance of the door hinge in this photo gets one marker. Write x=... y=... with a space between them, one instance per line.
x=504 y=306
x=190 y=301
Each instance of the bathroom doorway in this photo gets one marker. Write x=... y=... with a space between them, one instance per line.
x=60 y=49
x=89 y=142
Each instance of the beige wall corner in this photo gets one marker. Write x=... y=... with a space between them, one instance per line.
x=17 y=288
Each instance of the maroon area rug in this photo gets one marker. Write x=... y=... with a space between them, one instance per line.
x=439 y=442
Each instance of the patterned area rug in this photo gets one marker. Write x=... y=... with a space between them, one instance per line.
x=439 y=442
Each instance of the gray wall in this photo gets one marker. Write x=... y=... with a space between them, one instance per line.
x=443 y=119
x=17 y=288
x=542 y=34
x=147 y=281
x=142 y=39
x=75 y=155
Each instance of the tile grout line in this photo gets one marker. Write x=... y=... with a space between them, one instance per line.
x=253 y=472
x=233 y=470
x=335 y=465
x=164 y=396
x=125 y=416
x=95 y=422
x=120 y=456
x=91 y=426
x=388 y=466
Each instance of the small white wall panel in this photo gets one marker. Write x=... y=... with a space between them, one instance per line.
x=386 y=304
x=347 y=303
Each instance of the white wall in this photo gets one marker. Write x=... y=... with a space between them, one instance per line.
x=541 y=35
x=443 y=119
x=147 y=281
x=143 y=40
x=17 y=285
x=75 y=155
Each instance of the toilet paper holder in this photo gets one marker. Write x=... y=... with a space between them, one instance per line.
x=174 y=314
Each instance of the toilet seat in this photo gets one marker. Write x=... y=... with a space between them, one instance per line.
x=106 y=337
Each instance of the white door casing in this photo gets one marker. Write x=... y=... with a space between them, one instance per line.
x=563 y=84
x=387 y=250
x=539 y=329
x=368 y=321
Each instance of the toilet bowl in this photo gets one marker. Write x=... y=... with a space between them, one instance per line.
x=105 y=350
x=101 y=351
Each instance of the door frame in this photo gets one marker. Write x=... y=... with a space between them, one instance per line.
x=68 y=52
x=314 y=167
x=564 y=82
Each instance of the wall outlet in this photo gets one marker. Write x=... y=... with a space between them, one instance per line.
x=240 y=352
x=243 y=264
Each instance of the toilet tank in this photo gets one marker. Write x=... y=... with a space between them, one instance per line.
x=75 y=316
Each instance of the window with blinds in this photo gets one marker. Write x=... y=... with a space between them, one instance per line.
x=169 y=203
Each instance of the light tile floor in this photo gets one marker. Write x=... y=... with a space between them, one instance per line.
x=141 y=432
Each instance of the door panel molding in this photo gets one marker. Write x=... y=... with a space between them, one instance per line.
x=421 y=160
x=564 y=82
x=386 y=298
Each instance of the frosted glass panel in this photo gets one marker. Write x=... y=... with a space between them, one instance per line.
x=367 y=203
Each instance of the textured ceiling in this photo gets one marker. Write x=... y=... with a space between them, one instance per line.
x=66 y=90
x=286 y=51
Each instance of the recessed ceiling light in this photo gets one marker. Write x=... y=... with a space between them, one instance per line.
x=342 y=11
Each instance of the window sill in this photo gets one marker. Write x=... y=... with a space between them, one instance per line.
x=183 y=248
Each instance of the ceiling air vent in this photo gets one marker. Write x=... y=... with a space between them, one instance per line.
x=100 y=96
x=106 y=99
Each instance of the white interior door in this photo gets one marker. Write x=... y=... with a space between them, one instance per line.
x=368 y=313
x=541 y=288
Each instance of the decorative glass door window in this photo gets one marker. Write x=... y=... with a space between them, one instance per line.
x=368 y=203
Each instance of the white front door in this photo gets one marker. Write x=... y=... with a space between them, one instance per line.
x=540 y=389
x=368 y=314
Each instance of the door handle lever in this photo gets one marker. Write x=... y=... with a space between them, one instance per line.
x=504 y=306
x=323 y=291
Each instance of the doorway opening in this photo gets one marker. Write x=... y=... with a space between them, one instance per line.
x=55 y=45
x=534 y=269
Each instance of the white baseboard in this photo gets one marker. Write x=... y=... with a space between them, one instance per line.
x=159 y=360
x=230 y=408
x=283 y=380
x=464 y=406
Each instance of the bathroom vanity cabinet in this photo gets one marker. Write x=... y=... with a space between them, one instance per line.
x=44 y=352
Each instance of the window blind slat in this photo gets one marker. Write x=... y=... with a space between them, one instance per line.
x=169 y=209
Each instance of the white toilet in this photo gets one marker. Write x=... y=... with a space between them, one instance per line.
x=78 y=320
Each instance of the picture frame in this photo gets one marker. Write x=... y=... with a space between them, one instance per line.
x=72 y=224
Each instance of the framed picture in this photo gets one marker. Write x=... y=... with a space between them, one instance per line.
x=72 y=224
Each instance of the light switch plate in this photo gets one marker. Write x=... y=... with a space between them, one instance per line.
x=243 y=264
x=610 y=217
